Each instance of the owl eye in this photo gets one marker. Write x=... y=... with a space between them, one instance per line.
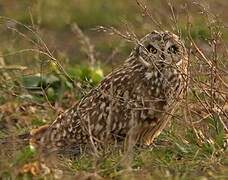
x=173 y=49
x=151 y=49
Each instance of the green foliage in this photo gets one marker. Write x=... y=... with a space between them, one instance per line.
x=87 y=74
x=38 y=122
x=55 y=85
x=31 y=82
x=83 y=163
x=52 y=85
x=25 y=155
x=216 y=130
x=199 y=31
x=6 y=175
x=99 y=12
x=2 y=100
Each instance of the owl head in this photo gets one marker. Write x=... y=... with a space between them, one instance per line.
x=161 y=49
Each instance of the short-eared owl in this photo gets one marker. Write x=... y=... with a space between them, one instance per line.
x=138 y=98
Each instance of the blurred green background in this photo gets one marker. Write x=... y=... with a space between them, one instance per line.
x=54 y=20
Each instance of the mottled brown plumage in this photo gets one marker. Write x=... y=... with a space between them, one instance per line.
x=136 y=99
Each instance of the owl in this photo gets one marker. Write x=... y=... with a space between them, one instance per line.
x=134 y=101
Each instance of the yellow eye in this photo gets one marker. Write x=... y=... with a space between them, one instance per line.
x=151 y=49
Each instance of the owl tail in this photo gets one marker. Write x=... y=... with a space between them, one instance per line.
x=39 y=138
